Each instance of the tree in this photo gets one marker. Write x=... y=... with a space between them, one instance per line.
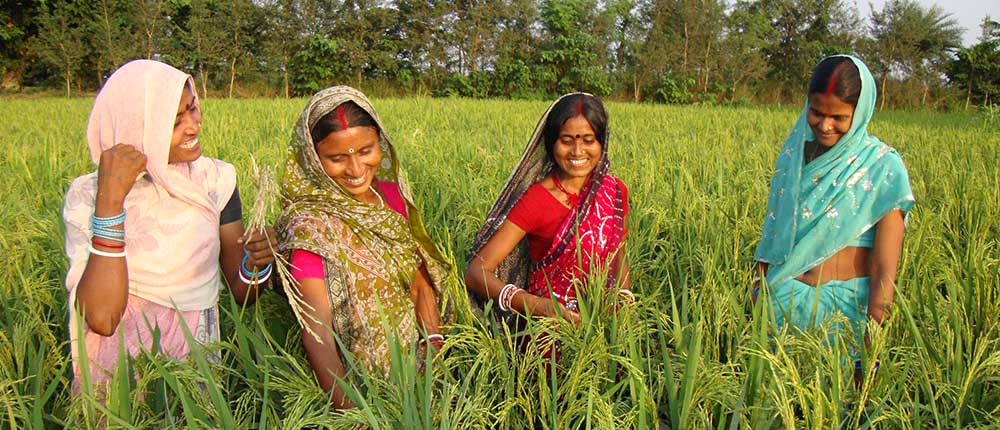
x=283 y=36
x=368 y=38
x=110 y=28
x=977 y=68
x=202 y=40
x=746 y=36
x=681 y=49
x=17 y=26
x=913 y=42
x=627 y=35
x=149 y=17
x=575 y=48
x=516 y=64
x=60 y=39
x=802 y=32
x=423 y=41
x=237 y=22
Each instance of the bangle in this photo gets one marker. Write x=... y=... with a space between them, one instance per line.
x=628 y=294
x=109 y=233
x=97 y=241
x=257 y=279
x=110 y=221
x=506 y=295
x=249 y=273
x=105 y=254
x=435 y=339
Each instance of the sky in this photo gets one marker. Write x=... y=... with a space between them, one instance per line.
x=968 y=13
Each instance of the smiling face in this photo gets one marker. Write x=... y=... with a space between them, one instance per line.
x=351 y=157
x=577 y=149
x=184 y=146
x=829 y=117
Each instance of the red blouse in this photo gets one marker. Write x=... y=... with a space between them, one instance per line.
x=540 y=214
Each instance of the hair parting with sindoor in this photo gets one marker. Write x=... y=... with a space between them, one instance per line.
x=837 y=76
x=589 y=106
x=346 y=115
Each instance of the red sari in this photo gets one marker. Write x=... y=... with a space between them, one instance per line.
x=552 y=244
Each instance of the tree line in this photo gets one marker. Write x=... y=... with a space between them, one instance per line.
x=672 y=51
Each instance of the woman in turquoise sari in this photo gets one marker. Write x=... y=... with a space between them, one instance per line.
x=833 y=231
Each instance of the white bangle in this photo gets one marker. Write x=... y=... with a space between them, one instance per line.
x=260 y=279
x=506 y=295
x=628 y=294
x=105 y=254
x=435 y=336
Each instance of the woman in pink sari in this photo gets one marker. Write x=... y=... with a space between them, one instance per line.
x=156 y=232
x=560 y=219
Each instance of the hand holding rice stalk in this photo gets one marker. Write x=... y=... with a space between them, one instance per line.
x=267 y=193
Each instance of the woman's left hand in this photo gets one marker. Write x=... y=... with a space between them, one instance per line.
x=260 y=245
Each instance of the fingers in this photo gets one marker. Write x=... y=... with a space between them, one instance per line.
x=260 y=247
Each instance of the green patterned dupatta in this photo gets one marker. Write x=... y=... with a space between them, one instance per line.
x=816 y=209
x=370 y=252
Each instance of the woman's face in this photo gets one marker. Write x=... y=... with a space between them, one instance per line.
x=184 y=145
x=351 y=157
x=577 y=149
x=829 y=117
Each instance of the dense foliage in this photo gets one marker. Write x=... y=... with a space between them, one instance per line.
x=692 y=354
x=673 y=51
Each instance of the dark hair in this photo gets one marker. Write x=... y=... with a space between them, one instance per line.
x=346 y=115
x=589 y=106
x=838 y=76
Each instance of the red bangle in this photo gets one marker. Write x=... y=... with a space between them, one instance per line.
x=107 y=244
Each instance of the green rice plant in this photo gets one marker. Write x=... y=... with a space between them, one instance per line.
x=692 y=353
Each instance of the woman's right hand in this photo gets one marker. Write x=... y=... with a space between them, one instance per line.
x=119 y=167
x=543 y=307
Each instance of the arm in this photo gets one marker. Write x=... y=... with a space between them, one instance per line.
x=324 y=358
x=232 y=238
x=102 y=293
x=481 y=277
x=883 y=265
x=425 y=302
x=760 y=272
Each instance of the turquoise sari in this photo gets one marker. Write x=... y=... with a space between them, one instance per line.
x=814 y=210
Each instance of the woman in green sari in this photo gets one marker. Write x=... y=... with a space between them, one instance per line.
x=833 y=230
x=366 y=270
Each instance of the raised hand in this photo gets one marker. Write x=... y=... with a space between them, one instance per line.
x=119 y=167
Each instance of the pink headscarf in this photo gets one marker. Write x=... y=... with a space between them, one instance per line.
x=137 y=107
x=172 y=212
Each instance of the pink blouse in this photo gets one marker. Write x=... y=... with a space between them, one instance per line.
x=306 y=265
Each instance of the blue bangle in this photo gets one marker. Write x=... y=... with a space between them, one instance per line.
x=108 y=233
x=110 y=221
x=251 y=274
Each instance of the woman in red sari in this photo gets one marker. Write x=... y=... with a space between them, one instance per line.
x=560 y=199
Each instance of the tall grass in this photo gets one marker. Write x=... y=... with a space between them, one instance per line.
x=692 y=353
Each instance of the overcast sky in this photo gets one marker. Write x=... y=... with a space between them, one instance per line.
x=969 y=13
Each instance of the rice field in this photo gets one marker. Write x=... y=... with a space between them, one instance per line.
x=692 y=354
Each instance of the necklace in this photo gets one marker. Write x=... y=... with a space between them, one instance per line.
x=573 y=198
x=381 y=202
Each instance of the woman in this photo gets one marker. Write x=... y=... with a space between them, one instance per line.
x=561 y=198
x=357 y=245
x=835 y=215
x=149 y=233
